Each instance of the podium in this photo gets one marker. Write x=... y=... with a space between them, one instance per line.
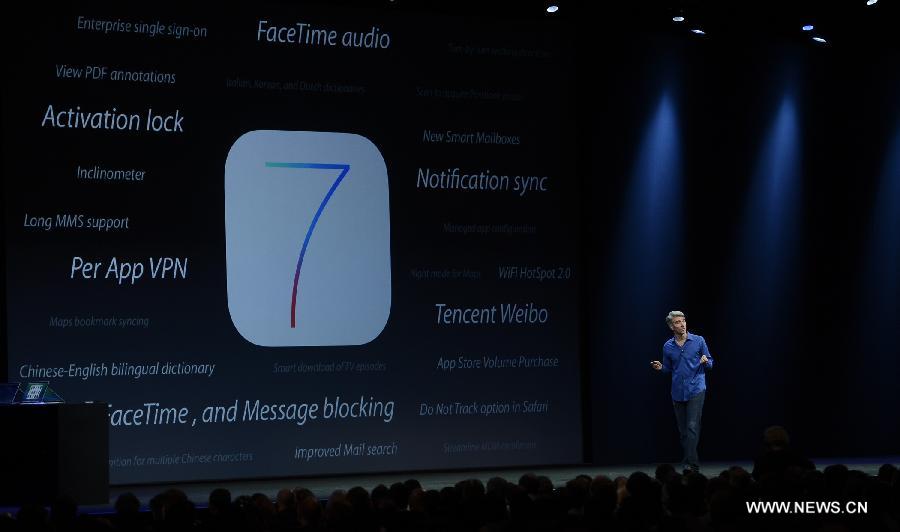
x=52 y=450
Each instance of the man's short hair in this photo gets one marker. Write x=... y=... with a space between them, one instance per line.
x=776 y=437
x=674 y=314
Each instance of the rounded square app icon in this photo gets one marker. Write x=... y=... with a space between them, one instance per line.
x=307 y=237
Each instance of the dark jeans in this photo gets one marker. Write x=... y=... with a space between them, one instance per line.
x=687 y=415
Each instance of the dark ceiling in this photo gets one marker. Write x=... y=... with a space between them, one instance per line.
x=841 y=22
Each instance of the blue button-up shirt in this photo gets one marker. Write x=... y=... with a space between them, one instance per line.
x=688 y=374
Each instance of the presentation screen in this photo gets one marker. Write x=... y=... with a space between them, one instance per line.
x=296 y=240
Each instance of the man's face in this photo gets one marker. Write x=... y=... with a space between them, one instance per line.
x=678 y=325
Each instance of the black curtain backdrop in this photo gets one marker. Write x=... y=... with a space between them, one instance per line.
x=822 y=360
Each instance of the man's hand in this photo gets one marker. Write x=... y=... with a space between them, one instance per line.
x=655 y=364
x=703 y=359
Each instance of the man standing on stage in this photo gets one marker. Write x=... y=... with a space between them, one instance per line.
x=687 y=357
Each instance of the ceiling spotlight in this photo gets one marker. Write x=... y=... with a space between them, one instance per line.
x=552 y=8
x=871 y=2
x=698 y=31
x=819 y=39
x=679 y=18
x=808 y=27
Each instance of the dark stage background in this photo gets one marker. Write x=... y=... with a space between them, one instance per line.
x=750 y=178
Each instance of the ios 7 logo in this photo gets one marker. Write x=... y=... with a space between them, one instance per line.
x=344 y=168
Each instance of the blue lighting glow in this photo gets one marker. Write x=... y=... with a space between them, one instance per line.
x=879 y=304
x=764 y=261
x=778 y=170
x=649 y=239
x=763 y=281
x=552 y=8
x=884 y=242
x=678 y=19
x=808 y=27
x=644 y=270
